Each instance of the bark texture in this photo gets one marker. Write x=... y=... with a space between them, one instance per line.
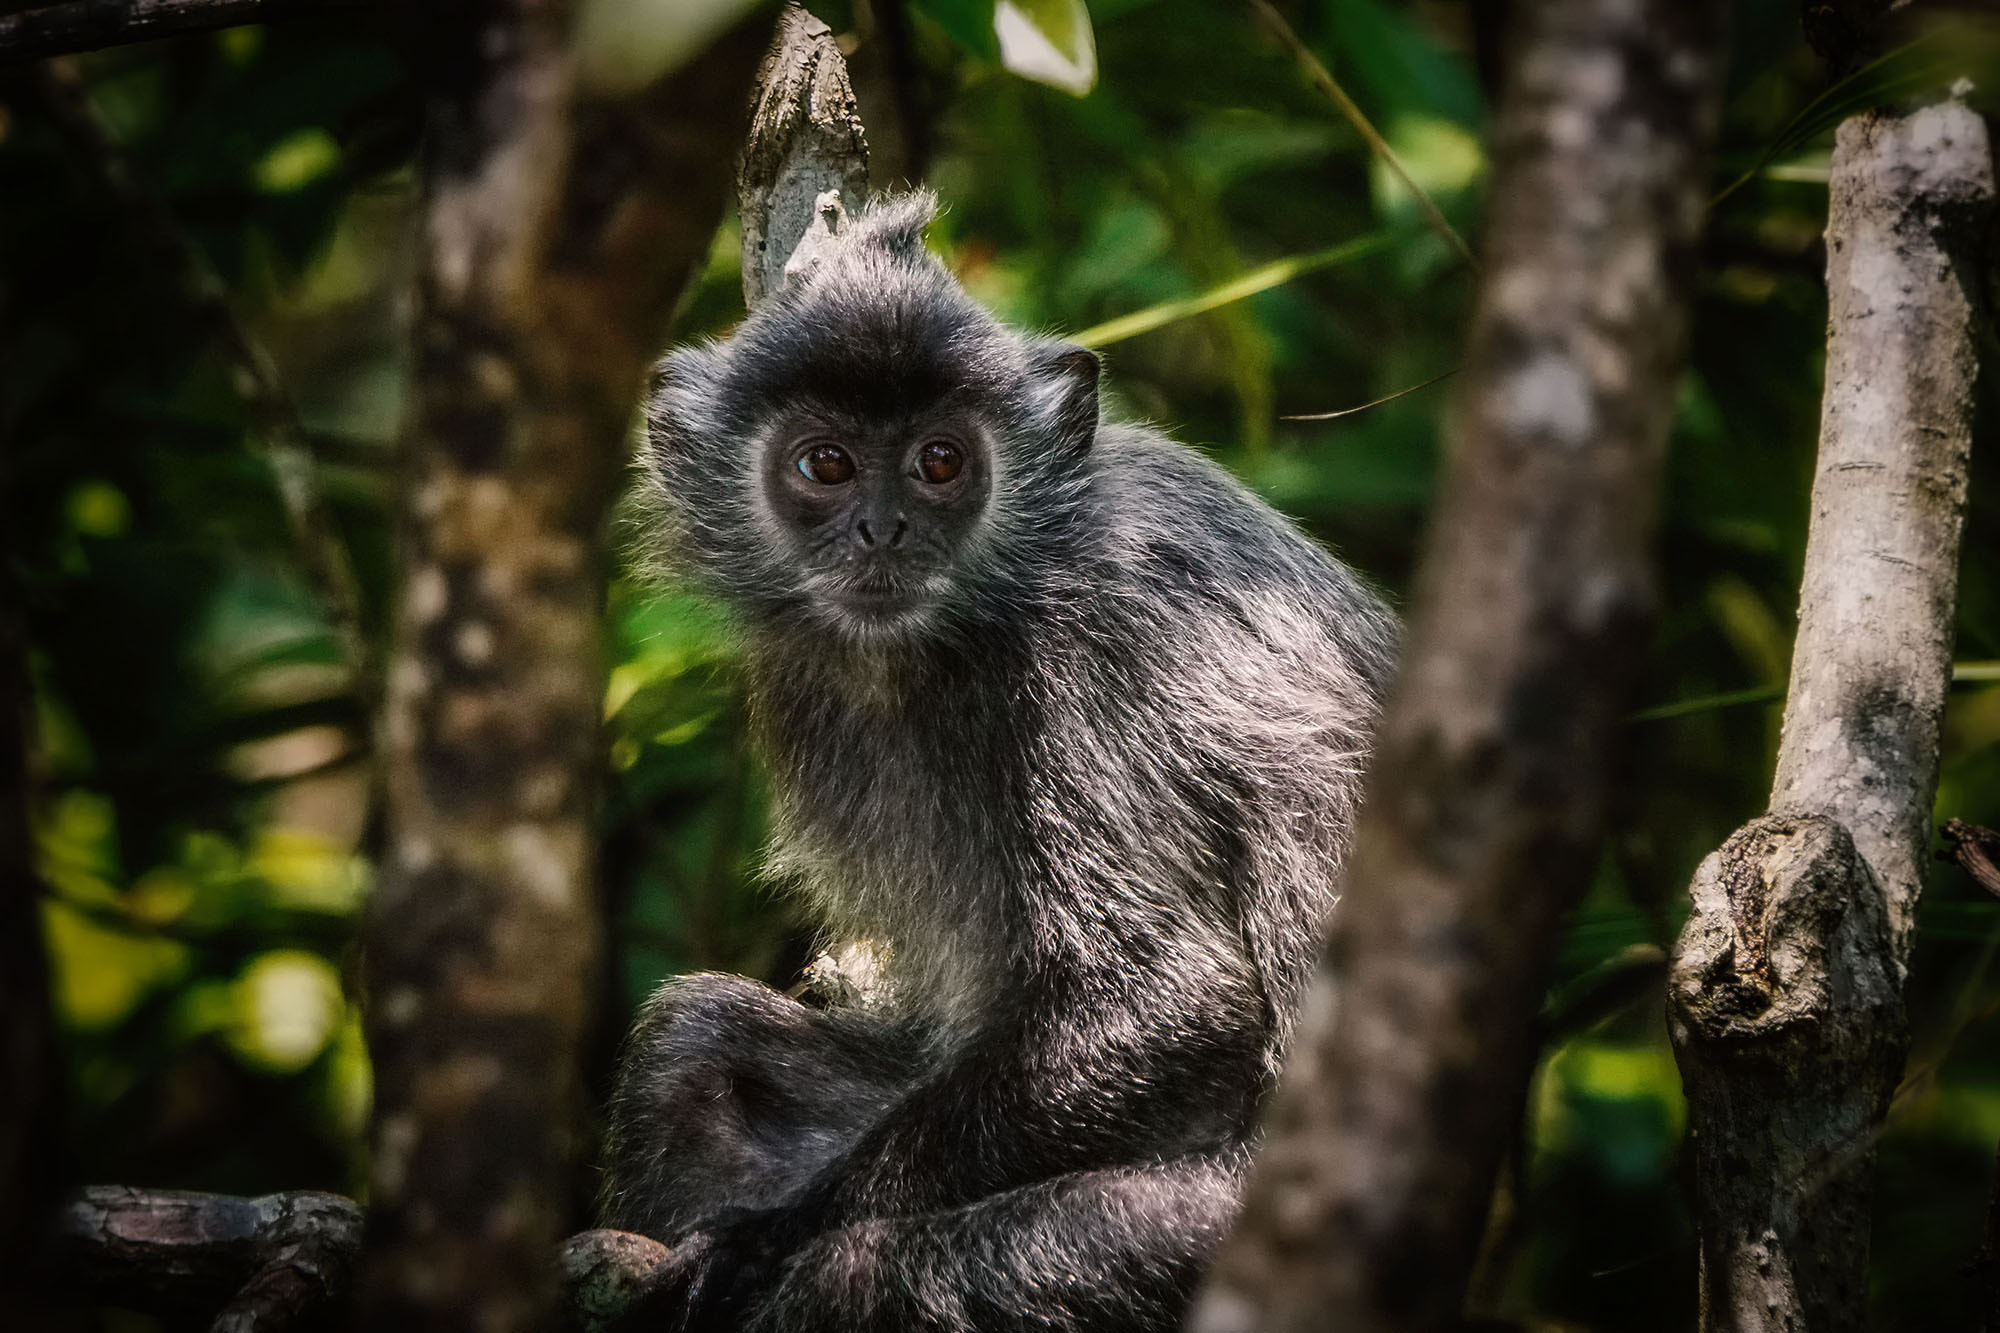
x=1976 y=850
x=559 y=235
x=805 y=140
x=283 y=1261
x=1787 y=1020
x=89 y=25
x=1532 y=600
x=265 y=1264
x=602 y=1271
x=1912 y=196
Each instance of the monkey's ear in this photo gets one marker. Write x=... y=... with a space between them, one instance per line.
x=1065 y=376
x=680 y=399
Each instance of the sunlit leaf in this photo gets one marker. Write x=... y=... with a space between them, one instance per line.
x=99 y=509
x=297 y=161
x=102 y=972
x=288 y=1006
x=1049 y=41
x=1440 y=155
x=624 y=45
x=308 y=870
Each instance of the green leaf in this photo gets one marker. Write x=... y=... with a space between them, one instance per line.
x=1260 y=279
x=299 y=159
x=967 y=22
x=625 y=45
x=1048 y=41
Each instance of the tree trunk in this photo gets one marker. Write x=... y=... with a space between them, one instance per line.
x=29 y=1129
x=560 y=232
x=1532 y=603
x=1786 y=998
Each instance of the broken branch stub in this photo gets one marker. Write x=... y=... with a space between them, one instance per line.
x=806 y=141
x=1787 y=1015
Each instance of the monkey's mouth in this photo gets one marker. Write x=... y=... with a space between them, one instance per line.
x=880 y=595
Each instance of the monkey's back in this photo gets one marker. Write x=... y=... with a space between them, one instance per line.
x=1240 y=671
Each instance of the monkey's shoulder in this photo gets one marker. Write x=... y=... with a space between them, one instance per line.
x=1178 y=528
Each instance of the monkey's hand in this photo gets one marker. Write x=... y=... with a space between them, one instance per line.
x=715 y=1276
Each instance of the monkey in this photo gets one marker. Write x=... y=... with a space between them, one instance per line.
x=1066 y=732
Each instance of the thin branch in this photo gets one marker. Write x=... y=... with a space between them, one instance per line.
x=91 y=25
x=1323 y=78
x=1975 y=849
x=1386 y=398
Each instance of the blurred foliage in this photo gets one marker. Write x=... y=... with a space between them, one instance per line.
x=203 y=796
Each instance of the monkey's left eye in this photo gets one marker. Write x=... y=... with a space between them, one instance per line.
x=939 y=461
x=828 y=465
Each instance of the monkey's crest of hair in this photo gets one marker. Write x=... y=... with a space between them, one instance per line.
x=876 y=327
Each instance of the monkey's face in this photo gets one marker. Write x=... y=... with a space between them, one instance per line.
x=877 y=516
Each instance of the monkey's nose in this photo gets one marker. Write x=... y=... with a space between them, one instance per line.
x=867 y=533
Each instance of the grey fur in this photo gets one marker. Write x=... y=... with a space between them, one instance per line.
x=1088 y=781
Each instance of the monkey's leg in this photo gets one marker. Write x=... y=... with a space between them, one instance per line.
x=1112 y=1251
x=733 y=1096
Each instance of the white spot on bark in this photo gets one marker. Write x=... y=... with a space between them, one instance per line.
x=542 y=791
x=475 y=643
x=417 y=854
x=394 y=1142
x=539 y=864
x=1549 y=396
x=429 y=595
x=401 y=1006
x=1223 y=1310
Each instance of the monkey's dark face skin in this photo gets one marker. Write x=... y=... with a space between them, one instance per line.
x=850 y=462
x=877 y=514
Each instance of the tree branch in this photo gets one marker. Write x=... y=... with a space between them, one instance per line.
x=1788 y=1025
x=1976 y=851
x=91 y=25
x=1487 y=789
x=1871 y=668
x=278 y=1262
x=1786 y=996
x=805 y=140
x=264 y=1263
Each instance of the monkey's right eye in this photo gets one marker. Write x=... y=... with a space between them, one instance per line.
x=826 y=464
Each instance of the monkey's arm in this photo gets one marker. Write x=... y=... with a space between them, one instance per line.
x=1068 y=1082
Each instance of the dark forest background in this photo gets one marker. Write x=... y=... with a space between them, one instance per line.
x=203 y=808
